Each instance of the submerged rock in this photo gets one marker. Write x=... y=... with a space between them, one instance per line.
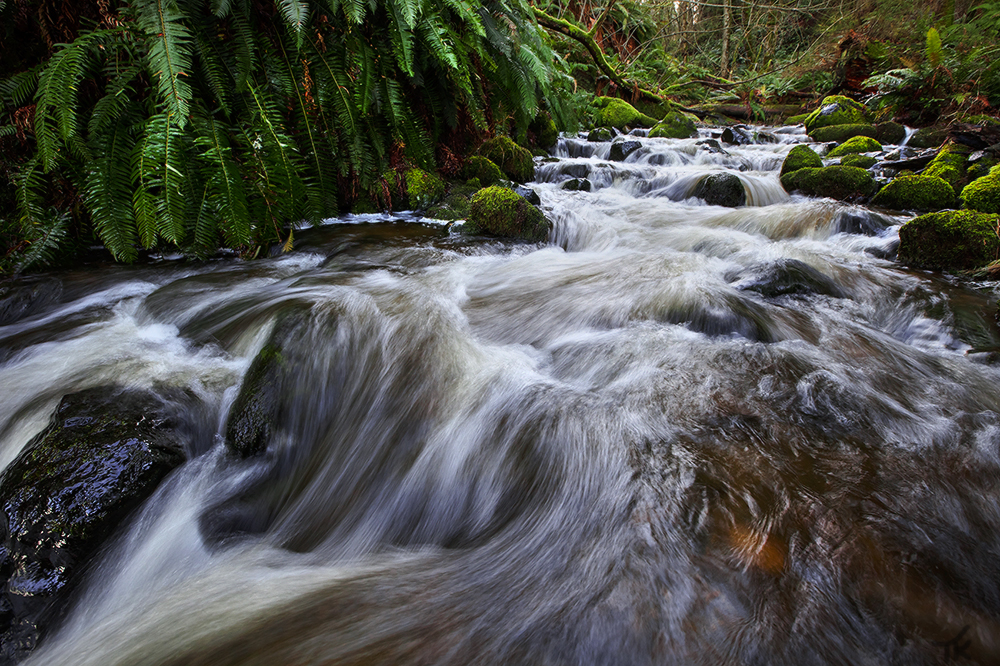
x=923 y=193
x=675 y=125
x=787 y=277
x=104 y=451
x=860 y=221
x=950 y=240
x=983 y=194
x=721 y=189
x=622 y=149
x=845 y=183
x=801 y=157
x=577 y=185
x=497 y=211
x=712 y=146
x=515 y=162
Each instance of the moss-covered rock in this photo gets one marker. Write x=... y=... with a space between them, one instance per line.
x=497 y=211
x=837 y=182
x=796 y=120
x=928 y=137
x=515 y=162
x=980 y=167
x=841 y=133
x=860 y=161
x=622 y=148
x=675 y=125
x=890 y=132
x=924 y=193
x=544 y=129
x=483 y=169
x=614 y=112
x=950 y=165
x=600 y=134
x=983 y=194
x=801 y=157
x=455 y=206
x=859 y=144
x=721 y=189
x=423 y=188
x=836 y=110
x=950 y=240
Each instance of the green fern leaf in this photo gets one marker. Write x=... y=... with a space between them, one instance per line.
x=296 y=15
x=169 y=57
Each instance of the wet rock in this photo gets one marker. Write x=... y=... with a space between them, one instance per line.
x=897 y=161
x=801 y=157
x=923 y=193
x=736 y=136
x=515 y=162
x=675 y=125
x=761 y=137
x=890 y=133
x=423 y=189
x=928 y=137
x=28 y=298
x=617 y=113
x=721 y=189
x=622 y=149
x=950 y=165
x=600 y=134
x=983 y=194
x=950 y=240
x=577 y=185
x=712 y=146
x=787 y=277
x=575 y=170
x=836 y=110
x=497 y=211
x=858 y=160
x=845 y=183
x=861 y=222
x=104 y=452
x=859 y=144
x=530 y=195
x=841 y=133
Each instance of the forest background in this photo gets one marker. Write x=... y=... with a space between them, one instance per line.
x=200 y=125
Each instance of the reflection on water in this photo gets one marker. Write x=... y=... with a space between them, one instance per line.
x=675 y=434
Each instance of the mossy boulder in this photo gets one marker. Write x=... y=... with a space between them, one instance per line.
x=455 y=206
x=423 y=188
x=980 y=167
x=837 y=182
x=801 y=157
x=860 y=161
x=924 y=193
x=622 y=148
x=675 y=125
x=796 y=120
x=890 y=132
x=983 y=194
x=483 y=169
x=721 y=189
x=950 y=165
x=600 y=134
x=950 y=240
x=544 y=129
x=515 y=162
x=859 y=144
x=614 y=112
x=497 y=211
x=841 y=133
x=928 y=137
x=836 y=110
x=102 y=454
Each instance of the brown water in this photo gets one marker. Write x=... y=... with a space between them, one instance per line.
x=674 y=434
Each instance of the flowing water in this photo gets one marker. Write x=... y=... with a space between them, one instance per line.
x=673 y=434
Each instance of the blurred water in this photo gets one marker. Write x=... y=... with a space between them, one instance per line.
x=673 y=434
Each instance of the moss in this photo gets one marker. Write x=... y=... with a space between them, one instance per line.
x=924 y=193
x=423 y=188
x=675 y=125
x=544 y=129
x=836 y=110
x=497 y=211
x=860 y=161
x=796 y=120
x=950 y=165
x=859 y=144
x=983 y=194
x=890 y=132
x=514 y=161
x=800 y=157
x=836 y=182
x=614 y=112
x=928 y=137
x=482 y=169
x=841 y=133
x=950 y=240
x=982 y=119
x=980 y=167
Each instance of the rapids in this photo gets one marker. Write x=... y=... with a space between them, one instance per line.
x=673 y=434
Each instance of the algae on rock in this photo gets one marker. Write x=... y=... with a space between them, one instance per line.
x=675 y=125
x=836 y=110
x=423 y=188
x=845 y=183
x=801 y=157
x=617 y=113
x=983 y=194
x=483 y=169
x=841 y=133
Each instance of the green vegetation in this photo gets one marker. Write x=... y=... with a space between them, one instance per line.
x=860 y=161
x=801 y=157
x=837 y=182
x=859 y=144
x=485 y=171
x=913 y=192
x=950 y=165
x=617 y=113
x=950 y=240
x=675 y=125
x=423 y=189
x=514 y=161
x=497 y=211
x=841 y=133
x=836 y=110
x=983 y=194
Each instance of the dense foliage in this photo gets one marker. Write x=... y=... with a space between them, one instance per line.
x=200 y=123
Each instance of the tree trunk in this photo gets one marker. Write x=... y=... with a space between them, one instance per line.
x=724 y=66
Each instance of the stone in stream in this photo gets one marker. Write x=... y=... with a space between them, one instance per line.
x=497 y=211
x=861 y=222
x=721 y=189
x=675 y=125
x=530 y=195
x=103 y=453
x=736 y=136
x=923 y=193
x=600 y=134
x=983 y=194
x=845 y=183
x=841 y=133
x=836 y=110
x=787 y=277
x=574 y=170
x=577 y=185
x=928 y=137
x=950 y=240
x=800 y=157
x=482 y=168
x=712 y=146
x=859 y=160
x=889 y=132
x=516 y=162
x=620 y=150
x=859 y=144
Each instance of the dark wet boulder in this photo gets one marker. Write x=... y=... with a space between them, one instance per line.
x=574 y=170
x=736 y=136
x=787 y=277
x=859 y=144
x=860 y=221
x=515 y=162
x=890 y=133
x=923 y=193
x=950 y=240
x=858 y=160
x=928 y=137
x=801 y=157
x=983 y=194
x=577 y=185
x=713 y=146
x=497 y=211
x=103 y=453
x=841 y=133
x=675 y=125
x=836 y=110
x=620 y=150
x=600 y=134
x=845 y=183
x=529 y=194
x=721 y=189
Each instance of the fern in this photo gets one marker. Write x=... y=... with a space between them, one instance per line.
x=933 y=47
x=169 y=56
x=296 y=15
x=108 y=189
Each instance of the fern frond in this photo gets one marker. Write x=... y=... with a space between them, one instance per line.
x=434 y=32
x=296 y=15
x=169 y=57
x=18 y=88
x=225 y=189
x=108 y=188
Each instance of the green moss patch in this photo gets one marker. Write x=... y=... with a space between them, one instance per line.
x=544 y=129
x=928 y=137
x=836 y=110
x=482 y=169
x=515 y=162
x=423 y=188
x=983 y=194
x=950 y=166
x=860 y=161
x=950 y=240
x=841 y=133
x=675 y=125
x=801 y=157
x=797 y=120
x=859 y=144
x=614 y=112
x=890 y=132
x=837 y=182
x=923 y=193
x=497 y=211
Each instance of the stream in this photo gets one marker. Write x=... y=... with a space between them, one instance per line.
x=674 y=433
